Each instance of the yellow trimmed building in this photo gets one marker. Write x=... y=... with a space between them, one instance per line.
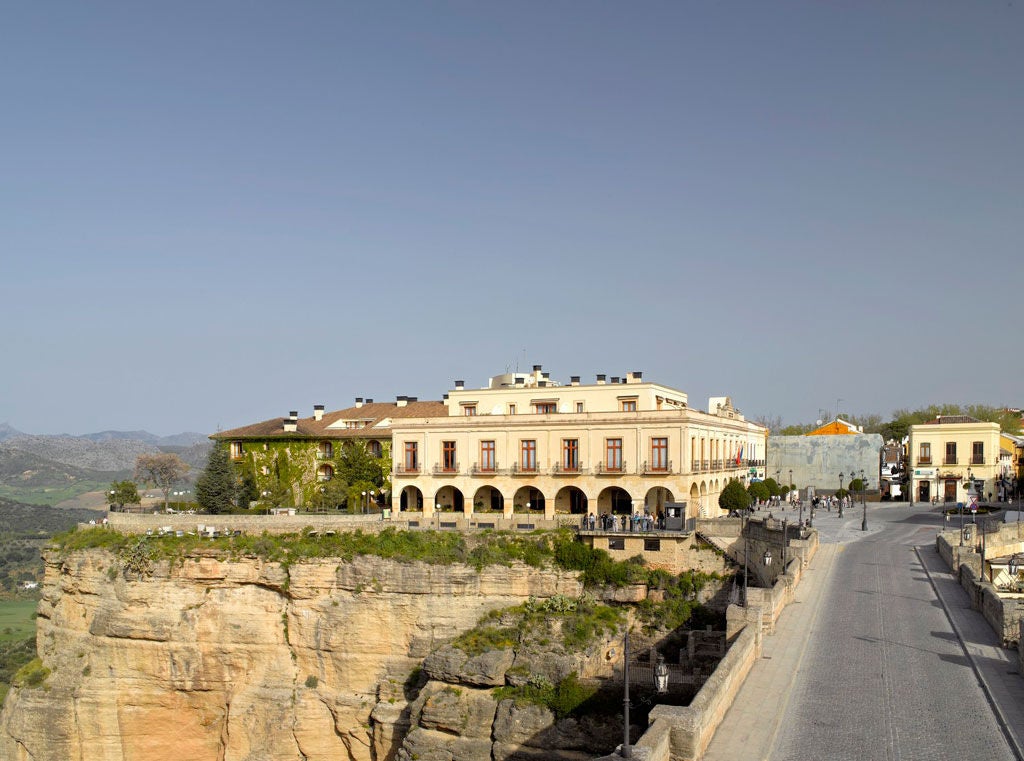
x=525 y=444
x=950 y=453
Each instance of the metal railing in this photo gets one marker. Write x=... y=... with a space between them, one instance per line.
x=603 y=468
x=662 y=469
x=441 y=470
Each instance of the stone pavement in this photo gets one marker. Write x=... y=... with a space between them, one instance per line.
x=866 y=664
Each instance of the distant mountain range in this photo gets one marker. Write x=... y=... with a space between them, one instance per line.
x=46 y=469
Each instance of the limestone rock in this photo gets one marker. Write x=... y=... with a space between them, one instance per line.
x=449 y=664
x=220 y=659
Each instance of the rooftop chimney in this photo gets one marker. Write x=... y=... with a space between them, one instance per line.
x=359 y=402
x=290 y=422
x=412 y=399
x=460 y=385
x=369 y=401
x=294 y=415
x=615 y=379
x=318 y=412
x=542 y=384
x=574 y=380
x=402 y=400
x=636 y=376
x=536 y=368
x=600 y=379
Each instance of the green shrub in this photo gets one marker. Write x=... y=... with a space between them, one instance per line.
x=32 y=674
x=312 y=681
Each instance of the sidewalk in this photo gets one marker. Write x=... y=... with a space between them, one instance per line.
x=749 y=728
x=996 y=667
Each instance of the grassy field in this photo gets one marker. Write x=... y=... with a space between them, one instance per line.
x=17 y=619
x=50 y=495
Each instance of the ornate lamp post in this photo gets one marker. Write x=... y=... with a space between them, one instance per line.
x=863 y=502
x=840 y=489
x=661 y=675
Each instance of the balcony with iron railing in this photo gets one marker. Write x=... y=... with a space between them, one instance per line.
x=615 y=469
x=407 y=470
x=975 y=460
x=446 y=470
x=657 y=469
x=487 y=469
x=529 y=469
x=949 y=460
x=560 y=469
x=924 y=461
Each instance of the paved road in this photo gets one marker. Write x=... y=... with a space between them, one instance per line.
x=867 y=663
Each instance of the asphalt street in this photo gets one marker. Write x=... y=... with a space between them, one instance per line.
x=868 y=662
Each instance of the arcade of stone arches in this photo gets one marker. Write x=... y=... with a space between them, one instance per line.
x=702 y=500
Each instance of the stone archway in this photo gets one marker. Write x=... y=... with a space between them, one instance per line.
x=528 y=499
x=571 y=499
x=488 y=500
x=615 y=500
x=411 y=498
x=449 y=499
x=654 y=502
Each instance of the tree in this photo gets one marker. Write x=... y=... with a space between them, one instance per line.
x=124 y=493
x=772 y=486
x=856 y=485
x=758 y=491
x=163 y=470
x=734 y=497
x=331 y=495
x=357 y=466
x=248 y=490
x=217 y=487
x=796 y=430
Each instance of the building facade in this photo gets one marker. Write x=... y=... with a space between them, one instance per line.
x=525 y=444
x=292 y=457
x=952 y=458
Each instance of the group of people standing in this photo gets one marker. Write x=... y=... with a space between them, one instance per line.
x=637 y=522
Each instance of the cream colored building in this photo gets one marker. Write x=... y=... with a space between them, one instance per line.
x=526 y=444
x=946 y=452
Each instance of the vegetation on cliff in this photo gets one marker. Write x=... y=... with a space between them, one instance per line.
x=537 y=549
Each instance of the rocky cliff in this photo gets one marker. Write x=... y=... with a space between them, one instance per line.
x=249 y=660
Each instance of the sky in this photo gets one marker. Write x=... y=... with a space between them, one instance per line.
x=214 y=213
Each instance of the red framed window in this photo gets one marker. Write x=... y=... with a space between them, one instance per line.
x=412 y=456
x=448 y=464
x=486 y=455
x=570 y=454
x=528 y=454
x=613 y=454
x=659 y=454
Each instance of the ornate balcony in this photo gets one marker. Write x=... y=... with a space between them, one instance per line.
x=604 y=469
x=662 y=469
x=558 y=469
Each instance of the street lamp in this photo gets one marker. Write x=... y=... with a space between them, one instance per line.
x=660 y=685
x=661 y=675
x=790 y=484
x=863 y=502
x=840 y=489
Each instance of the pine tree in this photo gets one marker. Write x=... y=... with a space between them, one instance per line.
x=216 y=486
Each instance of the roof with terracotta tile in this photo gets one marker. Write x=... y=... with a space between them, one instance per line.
x=371 y=415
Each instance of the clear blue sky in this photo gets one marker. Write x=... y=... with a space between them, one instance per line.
x=213 y=213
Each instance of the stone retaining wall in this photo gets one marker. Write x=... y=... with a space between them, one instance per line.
x=689 y=729
x=140 y=523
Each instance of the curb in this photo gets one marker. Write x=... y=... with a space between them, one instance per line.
x=1011 y=738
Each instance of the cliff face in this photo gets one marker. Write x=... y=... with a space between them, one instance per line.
x=242 y=660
